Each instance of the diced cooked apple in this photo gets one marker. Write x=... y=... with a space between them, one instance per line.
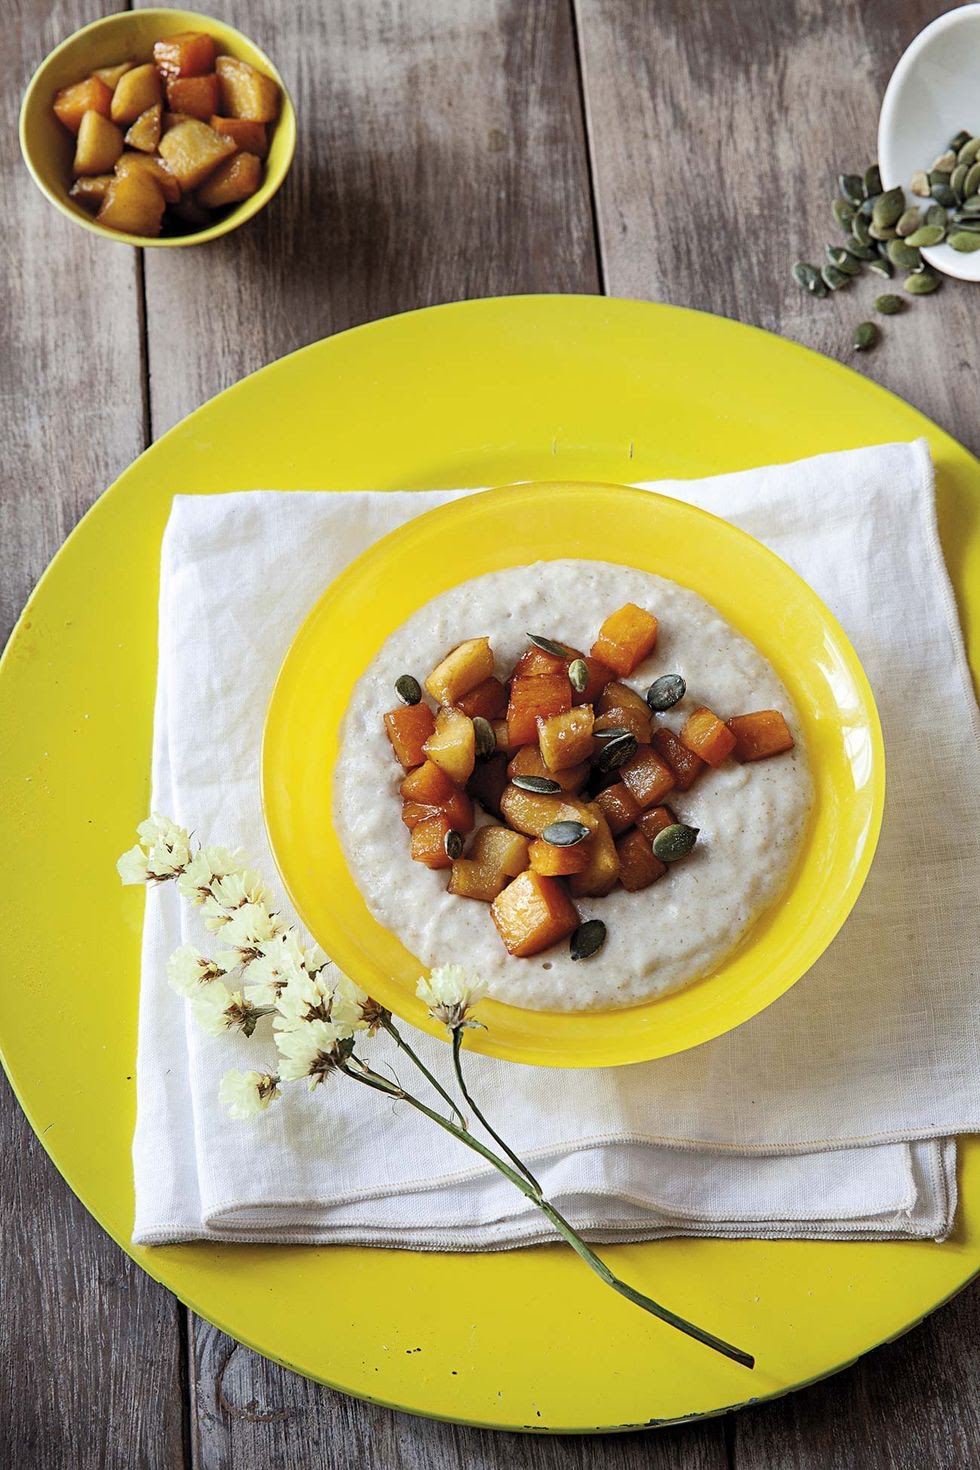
x=72 y=103
x=136 y=90
x=535 y=662
x=488 y=782
x=502 y=737
x=187 y=54
x=707 y=736
x=232 y=181
x=428 y=783
x=90 y=190
x=452 y=744
x=685 y=765
x=533 y=698
x=638 y=722
x=145 y=131
x=530 y=812
x=761 y=734
x=558 y=862
x=461 y=670
x=133 y=204
x=565 y=740
x=155 y=168
x=621 y=696
x=192 y=151
x=429 y=842
x=488 y=700
x=600 y=675
x=626 y=638
x=528 y=762
x=97 y=146
x=618 y=807
x=533 y=913
x=647 y=778
x=497 y=856
x=457 y=809
x=602 y=874
x=638 y=867
x=193 y=96
x=110 y=74
x=246 y=92
x=251 y=137
x=408 y=728
x=171 y=120
x=655 y=820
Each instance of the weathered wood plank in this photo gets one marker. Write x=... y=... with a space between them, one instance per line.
x=717 y=133
x=90 y=1353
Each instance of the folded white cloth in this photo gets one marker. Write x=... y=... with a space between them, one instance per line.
x=831 y=1115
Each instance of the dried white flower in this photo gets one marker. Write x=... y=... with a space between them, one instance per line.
x=245 y=1094
x=313 y=1051
x=314 y=958
x=217 y=1009
x=250 y=928
x=280 y=961
x=305 y=998
x=204 y=868
x=163 y=852
x=353 y=1007
x=450 y=995
x=131 y=867
x=188 y=969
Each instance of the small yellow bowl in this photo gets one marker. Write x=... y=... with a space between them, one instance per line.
x=47 y=146
x=755 y=591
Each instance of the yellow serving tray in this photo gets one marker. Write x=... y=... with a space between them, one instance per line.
x=479 y=393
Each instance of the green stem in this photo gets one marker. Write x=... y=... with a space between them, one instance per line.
x=457 y=1043
x=409 y=1051
x=382 y=1084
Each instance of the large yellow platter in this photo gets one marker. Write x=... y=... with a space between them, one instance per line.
x=484 y=393
x=753 y=589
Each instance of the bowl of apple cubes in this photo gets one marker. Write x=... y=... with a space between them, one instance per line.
x=171 y=143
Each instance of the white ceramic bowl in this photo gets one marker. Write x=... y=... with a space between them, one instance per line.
x=934 y=91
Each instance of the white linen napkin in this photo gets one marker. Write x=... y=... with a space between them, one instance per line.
x=833 y=1114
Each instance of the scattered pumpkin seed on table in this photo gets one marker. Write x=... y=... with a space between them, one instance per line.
x=922 y=283
x=866 y=335
x=889 y=305
x=809 y=278
x=835 y=278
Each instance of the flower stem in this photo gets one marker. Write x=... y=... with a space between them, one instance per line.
x=457 y=1044
x=399 y=1040
x=382 y=1084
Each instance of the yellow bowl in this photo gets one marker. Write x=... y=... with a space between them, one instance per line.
x=757 y=593
x=48 y=147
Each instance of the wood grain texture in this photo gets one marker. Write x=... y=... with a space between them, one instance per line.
x=717 y=132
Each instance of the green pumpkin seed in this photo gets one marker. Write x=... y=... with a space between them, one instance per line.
x=889 y=305
x=674 y=842
x=969 y=151
x=852 y=187
x=858 y=246
x=882 y=267
x=565 y=834
x=859 y=229
x=881 y=232
x=905 y=256
x=919 y=183
x=908 y=222
x=578 y=674
x=665 y=692
x=484 y=740
x=872 y=181
x=946 y=162
x=409 y=690
x=843 y=213
x=958 y=178
x=453 y=843
x=547 y=645
x=944 y=195
x=923 y=283
x=865 y=336
x=936 y=215
x=808 y=277
x=937 y=176
x=970 y=206
x=843 y=260
x=888 y=208
x=959 y=141
x=971 y=184
x=615 y=732
x=925 y=236
x=587 y=940
x=541 y=785
x=969 y=223
x=834 y=278
x=965 y=241
x=616 y=753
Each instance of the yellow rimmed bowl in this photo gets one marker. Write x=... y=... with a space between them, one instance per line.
x=48 y=147
x=751 y=587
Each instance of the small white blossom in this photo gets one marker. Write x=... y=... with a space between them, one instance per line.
x=450 y=995
x=314 y=958
x=280 y=962
x=235 y=891
x=353 y=1007
x=205 y=867
x=312 y=1051
x=246 y=932
x=305 y=998
x=131 y=867
x=188 y=969
x=245 y=1094
x=217 y=1009
x=163 y=852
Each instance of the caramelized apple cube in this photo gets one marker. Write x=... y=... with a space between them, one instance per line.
x=145 y=131
x=655 y=820
x=192 y=150
x=761 y=734
x=602 y=874
x=461 y=670
x=136 y=90
x=489 y=782
x=685 y=765
x=621 y=696
x=533 y=913
x=638 y=722
x=530 y=812
x=154 y=168
x=133 y=204
x=600 y=675
x=110 y=74
x=90 y=190
x=528 y=762
x=72 y=103
x=246 y=92
x=188 y=54
x=638 y=867
x=536 y=661
x=194 y=96
x=558 y=862
x=98 y=145
x=452 y=744
x=618 y=807
x=232 y=181
x=533 y=698
x=626 y=638
x=250 y=137
x=457 y=809
x=565 y=740
x=488 y=700
x=502 y=737
x=428 y=783
x=707 y=736
x=429 y=842
x=647 y=777
x=497 y=856
x=408 y=728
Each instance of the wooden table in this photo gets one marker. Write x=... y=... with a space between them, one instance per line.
x=663 y=149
